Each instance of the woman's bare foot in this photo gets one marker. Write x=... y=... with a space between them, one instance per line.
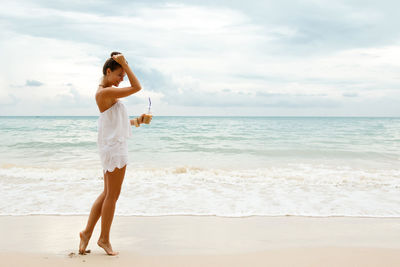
x=84 y=242
x=107 y=247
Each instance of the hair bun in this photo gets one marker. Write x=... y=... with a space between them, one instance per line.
x=114 y=53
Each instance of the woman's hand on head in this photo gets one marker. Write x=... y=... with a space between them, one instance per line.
x=120 y=59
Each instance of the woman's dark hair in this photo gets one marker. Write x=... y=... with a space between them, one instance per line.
x=111 y=63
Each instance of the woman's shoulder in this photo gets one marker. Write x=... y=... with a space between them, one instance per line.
x=100 y=97
x=104 y=103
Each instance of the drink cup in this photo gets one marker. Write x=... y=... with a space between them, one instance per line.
x=147 y=117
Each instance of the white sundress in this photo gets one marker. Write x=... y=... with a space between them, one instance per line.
x=113 y=130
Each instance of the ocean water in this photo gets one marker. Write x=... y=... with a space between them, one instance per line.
x=223 y=166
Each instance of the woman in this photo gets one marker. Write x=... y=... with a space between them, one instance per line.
x=114 y=127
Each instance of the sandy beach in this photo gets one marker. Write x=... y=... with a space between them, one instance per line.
x=204 y=241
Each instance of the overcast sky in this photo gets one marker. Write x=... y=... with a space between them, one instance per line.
x=261 y=58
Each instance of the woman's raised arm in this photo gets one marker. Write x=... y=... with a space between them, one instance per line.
x=113 y=92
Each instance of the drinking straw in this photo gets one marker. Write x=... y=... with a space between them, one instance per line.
x=149 y=106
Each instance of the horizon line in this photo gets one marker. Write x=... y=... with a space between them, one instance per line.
x=271 y=116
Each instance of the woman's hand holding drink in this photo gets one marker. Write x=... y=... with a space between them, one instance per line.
x=144 y=118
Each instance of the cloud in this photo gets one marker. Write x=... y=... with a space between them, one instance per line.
x=8 y=100
x=245 y=99
x=350 y=94
x=33 y=83
x=71 y=99
x=265 y=54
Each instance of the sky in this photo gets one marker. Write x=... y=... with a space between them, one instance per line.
x=204 y=58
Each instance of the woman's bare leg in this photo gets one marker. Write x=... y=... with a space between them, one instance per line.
x=114 y=182
x=94 y=216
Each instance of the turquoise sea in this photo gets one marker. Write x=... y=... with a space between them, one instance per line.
x=224 y=166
